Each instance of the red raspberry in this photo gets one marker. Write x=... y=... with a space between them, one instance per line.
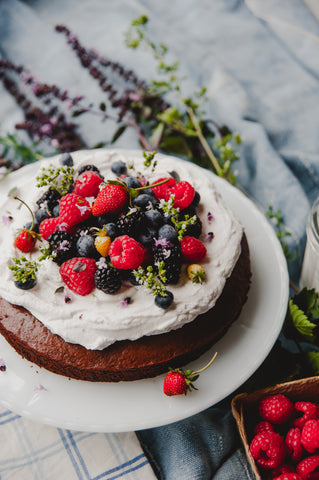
x=87 y=184
x=111 y=199
x=288 y=476
x=293 y=444
x=310 y=412
x=25 y=241
x=308 y=468
x=163 y=191
x=310 y=435
x=50 y=225
x=193 y=250
x=283 y=469
x=78 y=274
x=74 y=209
x=183 y=195
x=268 y=449
x=263 y=427
x=275 y=408
x=126 y=253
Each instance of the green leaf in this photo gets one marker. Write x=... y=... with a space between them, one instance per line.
x=313 y=360
x=176 y=145
x=118 y=133
x=301 y=322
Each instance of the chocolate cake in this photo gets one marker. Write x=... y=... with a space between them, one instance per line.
x=92 y=336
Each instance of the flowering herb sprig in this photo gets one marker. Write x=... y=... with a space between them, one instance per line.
x=23 y=269
x=151 y=279
x=179 y=225
x=60 y=178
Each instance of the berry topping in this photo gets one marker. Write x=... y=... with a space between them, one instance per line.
x=308 y=468
x=275 y=408
x=268 y=449
x=126 y=253
x=293 y=444
x=89 y=168
x=183 y=195
x=78 y=274
x=309 y=411
x=61 y=246
x=171 y=257
x=196 y=273
x=119 y=168
x=87 y=184
x=102 y=243
x=165 y=300
x=193 y=250
x=107 y=278
x=111 y=199
x=66 y=159
x=25 y=241
x=310 y=435
x=163 y=191
x=74 y=209
x=50 y=225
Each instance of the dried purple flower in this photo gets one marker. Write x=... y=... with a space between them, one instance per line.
x=3 y=366
x=125 y=302
x=210 y=217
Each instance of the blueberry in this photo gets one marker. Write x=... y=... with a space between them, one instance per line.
x=66 y=159
x=168 y=232
x=146 y=237
x=41 y=214
x=119 y=168
x=56 y=210
x=164 y=301
x=143 y=200
x=85 y=247
x=131 y=278
x=35 y=227
x=154 y=218
x=104 y=219
x=149 y=191
x=27 y=285
x=131 y=182
x=111 y=230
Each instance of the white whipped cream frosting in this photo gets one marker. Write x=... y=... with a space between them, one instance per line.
x=98 y=319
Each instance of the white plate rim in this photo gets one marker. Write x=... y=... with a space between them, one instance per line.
x=154 y=408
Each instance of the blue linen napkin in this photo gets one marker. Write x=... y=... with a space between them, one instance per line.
x=260 y=65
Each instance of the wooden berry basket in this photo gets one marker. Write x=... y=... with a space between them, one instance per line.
x=245 y=406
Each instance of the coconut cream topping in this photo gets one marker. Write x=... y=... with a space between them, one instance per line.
x=98 y=319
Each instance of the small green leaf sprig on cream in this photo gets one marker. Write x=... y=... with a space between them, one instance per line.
x=60 y=178
x=179 y=225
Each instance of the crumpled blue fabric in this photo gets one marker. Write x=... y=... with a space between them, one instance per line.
x=259 y=61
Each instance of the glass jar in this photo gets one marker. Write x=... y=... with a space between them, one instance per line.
x=310 y=268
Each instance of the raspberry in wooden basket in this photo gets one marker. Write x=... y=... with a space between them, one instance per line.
x=309 y=411
x=294 y=445
x=268 y=449
x=310 y=436
x=275 y=408
x=308 y=468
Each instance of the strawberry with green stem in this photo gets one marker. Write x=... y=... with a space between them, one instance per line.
x=26 y=239
x=178 y=382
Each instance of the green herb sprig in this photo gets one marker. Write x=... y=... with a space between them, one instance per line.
x=23 y=269
x=60 y=178
x=153 y=280
x=179 y=225
x=281 y=232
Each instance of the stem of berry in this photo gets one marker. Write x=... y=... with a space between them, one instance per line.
x=206 y=366
x=204 y=142
x=26 y=205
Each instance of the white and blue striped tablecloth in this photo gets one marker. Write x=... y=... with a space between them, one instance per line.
x=32 y=451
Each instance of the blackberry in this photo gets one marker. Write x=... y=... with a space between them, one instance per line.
x=62 y=246
x=194 y=229
x=91 y=168
x=131 y=224
x=171 y=255
x=66 y=159
x=107 y=278
x=49 y=200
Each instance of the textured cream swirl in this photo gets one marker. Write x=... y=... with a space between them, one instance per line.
x=97 y=320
